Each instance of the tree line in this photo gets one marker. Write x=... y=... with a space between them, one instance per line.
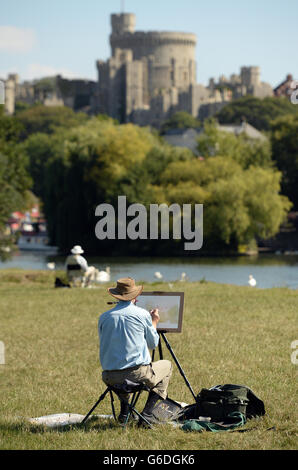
x=73 y=162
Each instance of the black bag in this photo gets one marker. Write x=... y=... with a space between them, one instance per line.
x=218 y=402
x=59 y=283
x=255 y=405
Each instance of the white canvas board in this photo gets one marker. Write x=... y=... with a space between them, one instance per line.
x=170 y=308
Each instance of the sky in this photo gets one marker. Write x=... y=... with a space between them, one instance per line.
x=45 y=37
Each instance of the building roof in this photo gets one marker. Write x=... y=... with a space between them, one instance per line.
x=186 y=138
x=286 y=82
x=244 y=127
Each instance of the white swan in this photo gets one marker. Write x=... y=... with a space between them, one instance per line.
x=103 y=276
x=51 y=266
x=158 y=275
x=251 y=281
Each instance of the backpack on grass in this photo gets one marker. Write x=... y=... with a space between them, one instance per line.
x=219 y=402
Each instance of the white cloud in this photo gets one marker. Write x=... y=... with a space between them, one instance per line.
x=13 y=39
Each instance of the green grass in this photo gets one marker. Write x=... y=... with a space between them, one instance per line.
x=230 y=335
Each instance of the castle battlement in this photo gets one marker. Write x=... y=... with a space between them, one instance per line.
x=148 y=36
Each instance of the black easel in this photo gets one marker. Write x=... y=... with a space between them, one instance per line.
x=163 y=336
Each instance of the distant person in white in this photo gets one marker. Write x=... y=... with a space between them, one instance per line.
x=76 y=259
x=76 y=265
x=79 y=273
x=251 y=281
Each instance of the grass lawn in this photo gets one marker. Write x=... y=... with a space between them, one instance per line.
x=230 y=334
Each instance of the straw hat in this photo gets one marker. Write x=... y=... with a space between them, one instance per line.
x=77 y=250
x=126 y=289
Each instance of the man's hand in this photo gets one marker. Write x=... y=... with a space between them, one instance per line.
x=155 y=317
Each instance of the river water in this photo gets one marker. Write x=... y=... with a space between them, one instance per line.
x=268 y=270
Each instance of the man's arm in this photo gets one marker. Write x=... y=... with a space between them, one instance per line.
x=155 y=317
x=151 y=335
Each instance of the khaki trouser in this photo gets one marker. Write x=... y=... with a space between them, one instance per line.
x=155 y=376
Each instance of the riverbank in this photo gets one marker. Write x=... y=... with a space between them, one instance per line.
x=230 y=334
x=269 y=270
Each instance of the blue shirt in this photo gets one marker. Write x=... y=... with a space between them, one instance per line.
x=125 y=334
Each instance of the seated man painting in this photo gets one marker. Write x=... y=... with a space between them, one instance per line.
x=126 y=333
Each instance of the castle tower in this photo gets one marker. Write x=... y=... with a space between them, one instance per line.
x=123 y=23
x=144 y=66
x=11 y=85
x=172 y=54
x=250 y=76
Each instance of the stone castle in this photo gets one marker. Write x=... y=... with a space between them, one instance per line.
x=149 y=76
x=50 y=91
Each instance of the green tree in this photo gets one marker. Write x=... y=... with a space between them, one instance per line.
x=257 y=112
x=10 y=128
x=14 y=179
x=239 y=204
x=94 y=163
x=47 y=119
x=180 y=120
x=105 y=117
x=241 y=148
x=46 y=84
x=100 y=160
x=284 y=132
x=23 y=106
x=40 y=148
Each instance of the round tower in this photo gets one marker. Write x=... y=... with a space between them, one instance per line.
x=10 y=90
x=170 y=56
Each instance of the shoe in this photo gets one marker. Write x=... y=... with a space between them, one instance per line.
x=124 y=411
x=122 y=418
x=150 y=418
